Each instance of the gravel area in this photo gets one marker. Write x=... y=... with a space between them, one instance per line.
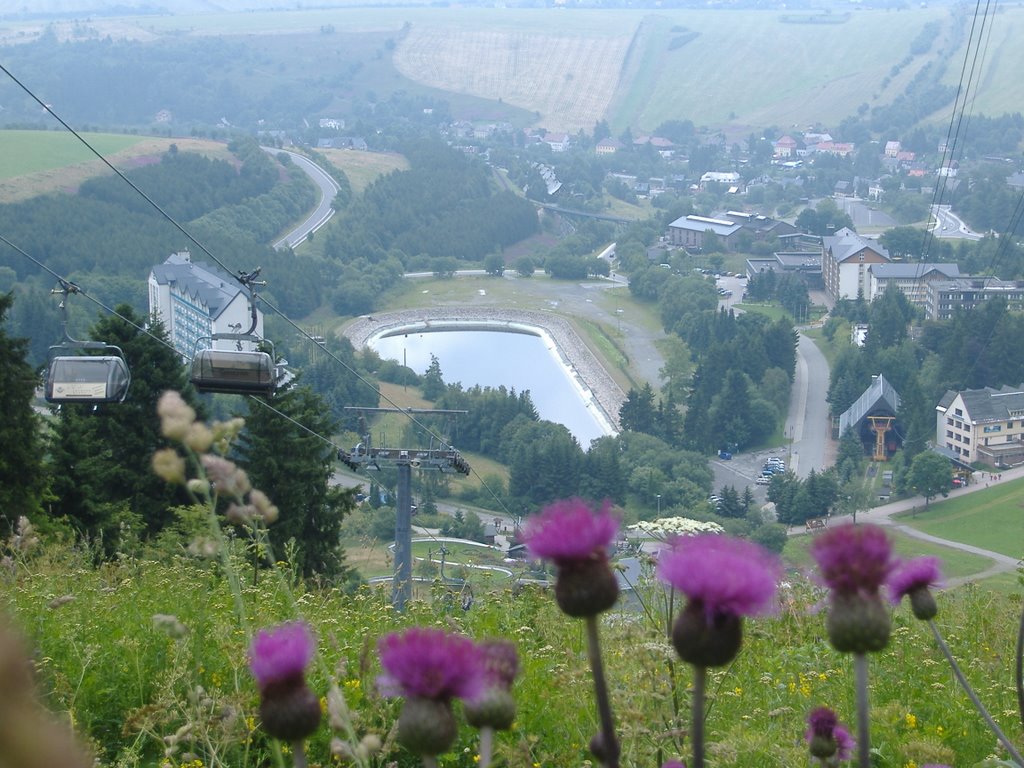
x=576 y=356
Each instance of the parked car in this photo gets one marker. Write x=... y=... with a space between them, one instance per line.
x=724 y=455
x=763 y=479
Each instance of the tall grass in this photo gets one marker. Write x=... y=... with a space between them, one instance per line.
x=129 y=686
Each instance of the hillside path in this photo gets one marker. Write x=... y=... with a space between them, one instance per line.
x=883 y=516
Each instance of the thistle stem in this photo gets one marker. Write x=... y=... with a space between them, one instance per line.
x=958 y=673
x=700 y=677
x=1020 y=668
x=429 y=761
x=486 y=746
x=299 y=752
x=609 y=742
x=860 y=667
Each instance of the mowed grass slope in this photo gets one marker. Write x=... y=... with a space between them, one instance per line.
x=992 y=519
x=636 y=69
x=38 y=162
x=363 y=167
x=565 y=69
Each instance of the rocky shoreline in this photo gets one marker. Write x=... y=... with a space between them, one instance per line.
x=577 y=358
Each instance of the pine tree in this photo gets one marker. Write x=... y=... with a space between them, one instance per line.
x=22 y=477
x=432 y=383
x=102 y=474
x=293 y=465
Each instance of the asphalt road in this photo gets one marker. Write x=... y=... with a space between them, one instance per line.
x=323 y=212
x=864 y=217
x=948 y=224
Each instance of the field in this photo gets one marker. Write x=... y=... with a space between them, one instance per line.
x=107 y=666
x=39 y=162
x=568 y=79
x=564 y=69
x=991 y=519
x=363 y=167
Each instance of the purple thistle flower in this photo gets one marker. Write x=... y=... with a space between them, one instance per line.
x=495 y=707
x=570 y=530
x=827 y=737
x=501 y=662
x=912 y=575
x=821 y=722
x=430 y=664
x=844 y=742
x=278 y=654
x=289 y=710
x=724 y=575
x=674 y=764
x=853 y=559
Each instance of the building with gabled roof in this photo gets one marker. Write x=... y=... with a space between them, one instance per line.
x=689 y=232
x=845 y=259
x=196 y=300
x=729 y=178
x=983 y=425
x=785 y=147
x=873 y=417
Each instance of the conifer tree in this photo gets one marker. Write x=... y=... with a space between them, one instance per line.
x=103 y=479
x=22 y=478
x=293 y=465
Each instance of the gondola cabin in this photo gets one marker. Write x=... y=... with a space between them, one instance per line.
x=233 y=372
x=87 y=379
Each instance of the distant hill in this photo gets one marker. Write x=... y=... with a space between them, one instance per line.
x=737 y=71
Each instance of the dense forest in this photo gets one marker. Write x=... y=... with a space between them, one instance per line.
x=445 y=210
x=106 y=238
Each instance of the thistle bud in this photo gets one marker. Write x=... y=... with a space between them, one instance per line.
x=858 y=623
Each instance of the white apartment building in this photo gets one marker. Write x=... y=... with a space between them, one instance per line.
x=983 y=425
x=195 y=301
x=845 y=260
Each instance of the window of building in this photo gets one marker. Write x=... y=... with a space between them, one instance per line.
x=949 y=421
x=992 y=428
x=958 y=412
x=957 y=438
x=949 y=433
x=967 y=440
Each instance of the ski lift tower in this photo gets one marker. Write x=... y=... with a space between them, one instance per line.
x=444 y=458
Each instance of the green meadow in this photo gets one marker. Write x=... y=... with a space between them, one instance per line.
x=992 y=519
x=25 y=152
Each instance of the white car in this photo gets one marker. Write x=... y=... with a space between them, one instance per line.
x=763 y=479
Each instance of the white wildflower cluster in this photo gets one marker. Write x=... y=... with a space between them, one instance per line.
x=675 y=526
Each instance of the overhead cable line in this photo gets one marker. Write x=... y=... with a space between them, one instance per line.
x=219 y=263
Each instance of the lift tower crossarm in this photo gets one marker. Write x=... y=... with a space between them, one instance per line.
x=445 y=459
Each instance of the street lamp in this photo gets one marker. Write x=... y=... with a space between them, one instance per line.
x=658 y=496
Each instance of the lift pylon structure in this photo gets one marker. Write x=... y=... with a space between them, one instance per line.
x=443 y=459
x=880 y=425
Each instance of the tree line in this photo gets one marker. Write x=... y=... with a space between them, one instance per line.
x=107 y=237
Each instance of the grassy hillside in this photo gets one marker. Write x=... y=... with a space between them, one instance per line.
x=36 y=162
x=363 y=167
x=566 y=69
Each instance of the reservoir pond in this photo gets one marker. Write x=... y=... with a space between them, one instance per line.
x=520 y=361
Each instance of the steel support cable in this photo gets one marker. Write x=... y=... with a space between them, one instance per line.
x=219 y=263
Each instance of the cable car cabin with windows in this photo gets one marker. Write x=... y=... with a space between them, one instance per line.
x=87 y=378
x=233 y=372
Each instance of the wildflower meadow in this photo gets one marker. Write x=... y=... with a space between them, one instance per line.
x=722 y=656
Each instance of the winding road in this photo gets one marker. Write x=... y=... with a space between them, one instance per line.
x=323 y=211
